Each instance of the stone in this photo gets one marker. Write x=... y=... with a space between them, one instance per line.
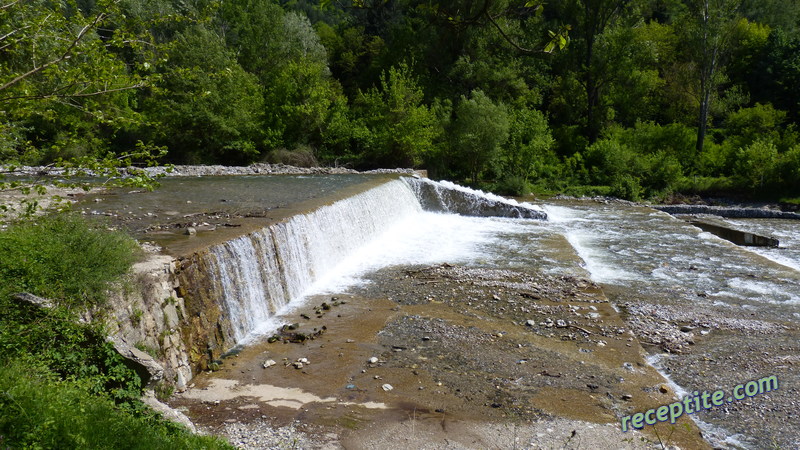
x=373 y=360
x=627 y=397
x=34 y=300
x=561 y=323
x=297 y=365
x=190 y=231
x=387 y=387
x=148 y=369
x=171 y=414
x=530 y=323
x=268 y=363
x=663 y=389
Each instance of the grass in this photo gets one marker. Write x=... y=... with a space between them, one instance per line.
x=65 y=258
x=38 y=411
x=61 y=384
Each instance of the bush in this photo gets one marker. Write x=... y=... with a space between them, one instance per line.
x=302 y=156
x=64 y=258
x=513 y=185
x=40 y=412
x=626 y=187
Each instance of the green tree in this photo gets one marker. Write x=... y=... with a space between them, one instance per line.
x=709 y=27
x=206 y=106
x=62 y=85
x=528 y=151
x=479 y=129
x=401 y=128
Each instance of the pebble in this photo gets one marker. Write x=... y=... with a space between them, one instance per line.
x=268 y=363
x=373 y=360
x=387 y=387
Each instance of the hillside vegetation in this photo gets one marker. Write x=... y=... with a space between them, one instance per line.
x=632 y=98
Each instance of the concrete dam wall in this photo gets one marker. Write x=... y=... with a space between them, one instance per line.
x=188 y=310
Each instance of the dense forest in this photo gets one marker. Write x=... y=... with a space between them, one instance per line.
x=631 y=98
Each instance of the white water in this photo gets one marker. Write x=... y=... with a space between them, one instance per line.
x=264 y=274
x=261 y=275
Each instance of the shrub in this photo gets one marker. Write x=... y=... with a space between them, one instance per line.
x=65 y=258
x=40 y=412
x=513 y=185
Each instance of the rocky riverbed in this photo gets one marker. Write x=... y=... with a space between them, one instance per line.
x=442 y=357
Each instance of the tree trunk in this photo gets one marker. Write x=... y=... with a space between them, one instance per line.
x=702 y=123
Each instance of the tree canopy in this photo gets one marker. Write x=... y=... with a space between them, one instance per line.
x=630 y=97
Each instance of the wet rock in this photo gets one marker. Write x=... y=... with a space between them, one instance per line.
x=190 y=231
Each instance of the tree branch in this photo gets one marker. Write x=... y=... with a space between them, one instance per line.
x=508 y=38
x=64 y=56
x=9 y=5
x=77 y=95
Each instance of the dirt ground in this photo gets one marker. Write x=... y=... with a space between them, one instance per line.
x=444 y=357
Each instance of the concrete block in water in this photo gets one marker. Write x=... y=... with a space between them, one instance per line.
x=738 y=237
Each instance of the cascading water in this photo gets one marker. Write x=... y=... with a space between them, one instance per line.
x=261 y=273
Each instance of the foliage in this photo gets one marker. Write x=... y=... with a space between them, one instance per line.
x=61 y=383
x=399 y=128
x=41 y=412
x=528 y=151
x=372 y=83
x=64 y=258
x=479 y=128
x=208 y=106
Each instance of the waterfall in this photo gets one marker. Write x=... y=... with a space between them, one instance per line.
x=263 y=271
x=258 y=274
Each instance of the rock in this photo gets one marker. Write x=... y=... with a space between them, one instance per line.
x=687 y=328
x=373 y=360
x=34 y=300
x=303 y=360
x=561 y=323
x=173 y=415
x=148 y=369
x=387 y=387
x=495 y=297
x=663 y=389
x=268 y=363
x=297 y=365
x=530 y=323
x=627 y=397
x=190 y=231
